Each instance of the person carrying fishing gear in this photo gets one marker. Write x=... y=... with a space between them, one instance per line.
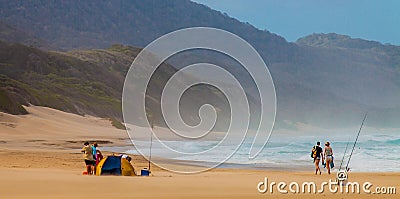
x=316 y=154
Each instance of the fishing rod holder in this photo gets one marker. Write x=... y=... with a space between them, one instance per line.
x=341 y=177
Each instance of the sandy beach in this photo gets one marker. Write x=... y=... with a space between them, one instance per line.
x=40 y=158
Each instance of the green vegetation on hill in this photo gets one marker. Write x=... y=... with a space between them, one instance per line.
x=59 y=80
x=79 y=81
x=10 y=105
x=326 y=80
x=12 y=34
x=117 y=124
x=99 y=24
x=333 y=40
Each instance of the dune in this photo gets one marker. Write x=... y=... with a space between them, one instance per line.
x=48 y=128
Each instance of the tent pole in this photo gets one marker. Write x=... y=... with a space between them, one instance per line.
x=151 y=143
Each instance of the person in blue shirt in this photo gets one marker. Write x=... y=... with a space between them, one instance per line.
x=94 y=153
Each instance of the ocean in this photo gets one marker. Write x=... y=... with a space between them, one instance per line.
x=372 y=153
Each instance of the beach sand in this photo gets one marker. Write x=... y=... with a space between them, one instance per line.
x=40 y=158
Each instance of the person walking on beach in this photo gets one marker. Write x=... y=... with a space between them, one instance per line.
x=328 y=156
x=316 y=153
x=88 y=156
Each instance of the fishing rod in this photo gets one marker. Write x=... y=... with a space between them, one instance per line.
x=345 y=151
x=365 y=116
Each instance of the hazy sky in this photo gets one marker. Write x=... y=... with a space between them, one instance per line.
x=367 y=19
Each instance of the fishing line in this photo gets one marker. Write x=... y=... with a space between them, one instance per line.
x=356 y=140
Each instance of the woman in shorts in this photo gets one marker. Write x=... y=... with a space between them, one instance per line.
x=328 y=156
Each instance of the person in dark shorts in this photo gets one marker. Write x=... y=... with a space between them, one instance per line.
x=88 y=156
x=317 y=155
x=94 y=152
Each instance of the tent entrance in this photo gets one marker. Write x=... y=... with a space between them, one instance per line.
x=112 y=166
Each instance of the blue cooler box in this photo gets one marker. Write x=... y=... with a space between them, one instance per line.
x=144 y=172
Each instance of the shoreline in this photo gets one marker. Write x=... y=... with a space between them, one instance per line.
x=41 y=158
